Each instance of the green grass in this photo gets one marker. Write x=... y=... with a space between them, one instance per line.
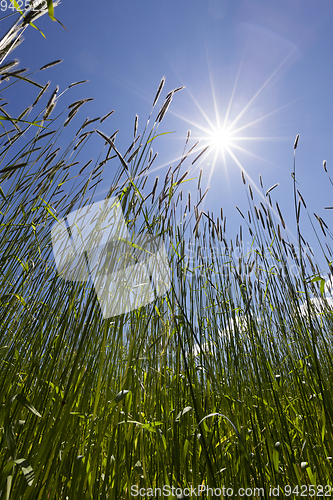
x=224 y=381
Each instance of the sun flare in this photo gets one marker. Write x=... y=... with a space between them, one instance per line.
x=220 y=139
x=229 y=137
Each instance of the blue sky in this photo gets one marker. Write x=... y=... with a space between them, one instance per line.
x=269 y=62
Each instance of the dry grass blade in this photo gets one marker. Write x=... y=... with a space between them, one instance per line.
x=280 y=214
x=52 y=98
x=41 y=93
x=10 y=65
x=106 y=116
x=77 y=83
x=202 y=197
x=10 y=168
x=262 y=219
x=172 y=92
x=240 y=211
x=80 y=102
x=321 y=223
x=264 y=208
x=260 y=180
x=136 y=122
x=94 y=185
x=133 y=155
x=154 y=189
x=110 y=142
x=164 y=109
x=199 y=180
x=49 y=65
x=301 y=197
x=271 y=188
x=13 y=73
x=159 y=90
x=132 y=146
x=298 y=214
x=188 y=137
x=70 y=116
x=48 y=111
x=197 y=222
x=200 y=154
x=182 y=178
x=89 y=122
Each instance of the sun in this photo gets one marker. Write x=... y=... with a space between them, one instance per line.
x=220 y=139
x=229 y=131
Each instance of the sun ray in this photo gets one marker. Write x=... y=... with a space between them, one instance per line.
x=210 y=123
x=253 y=155
x=217 y=116
x=264 y=85
x=272 y=138
x=233 y=91
x=267 y=115
x=213 y=167
x=191 y=122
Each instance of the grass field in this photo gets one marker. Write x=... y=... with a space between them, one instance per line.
x=224 y=381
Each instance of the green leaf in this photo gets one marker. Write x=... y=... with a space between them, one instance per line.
x=26 y=469
x=16 y=5
x=9 y=436
x=3 y=350
x=138 y=467
x=78 y=465
x=150 y=427
x=50 y=8
x=183 y=412
x=19 y=297
x=23 y=400
x=312 y=476
x=215 y=414
x=276 y=460
x=322 y=283
x=14 y=120
x=157 y=135
x=120 y=396
x=25 y=267
x=48 y=208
